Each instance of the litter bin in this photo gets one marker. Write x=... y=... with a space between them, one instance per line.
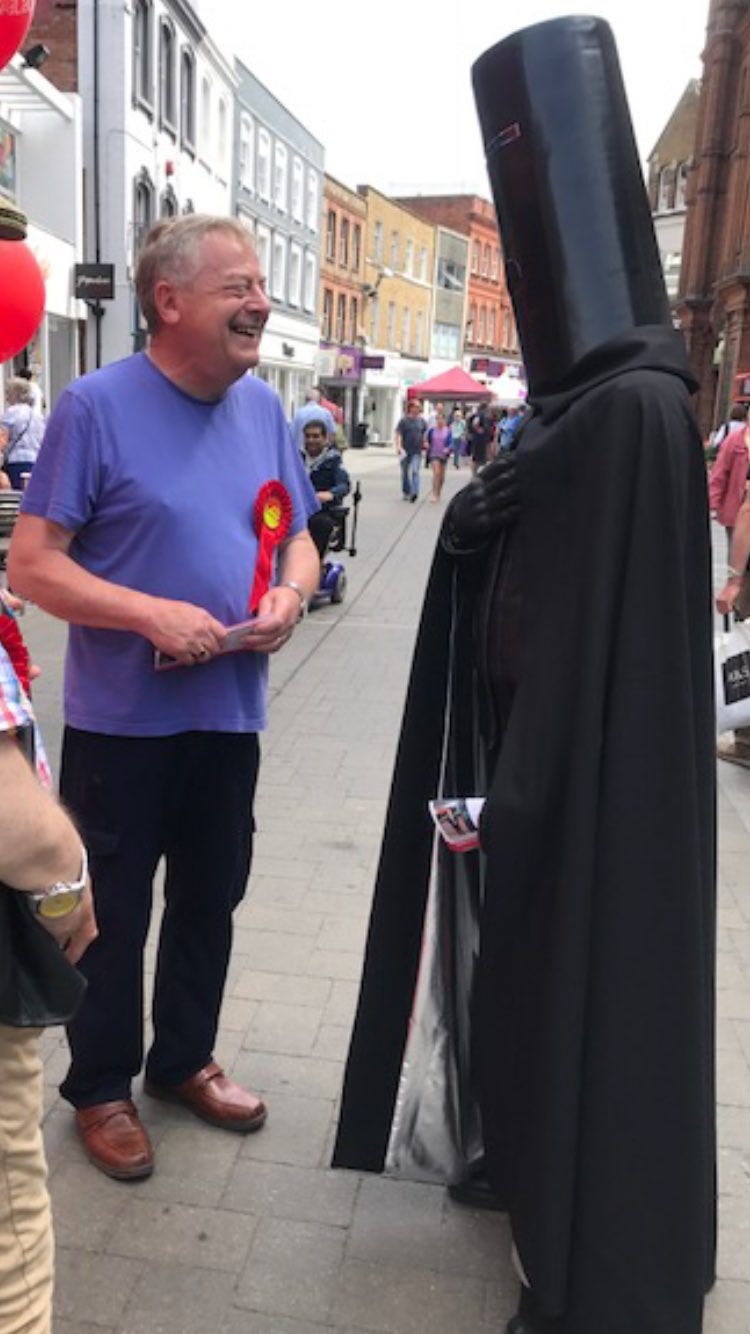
x=359 y=435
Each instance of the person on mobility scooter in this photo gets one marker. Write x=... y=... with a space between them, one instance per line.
x=331 y=484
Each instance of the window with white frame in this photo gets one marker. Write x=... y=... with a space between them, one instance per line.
x=482 y=324
x=280 y=177
x=142 y=53
x=344 y=243
x=419 y=334
x=409 y=257
x=313 y=206
x=278 y=278
x=664 y=201
x=353 y=318
x=311 y=281
x=491 y=326
x=295 y=275
x=485 y=261
x=681 y=186
x=475 y=257
x=167 y=49
x=263 y=249
x=331 y=236
x=341 y=318
x=206 y=128
x=263 y=165
x=423 y=264
x=247 y=152
x=298 y=203
x=405 y=328
x=495 y=271
x=143 y=208
x=187 y=99
x=390 y=332
x=374 y=320
x=377 y=243
x=222 y=138
x=326 y=324
x=394 y=250
x=356 y=245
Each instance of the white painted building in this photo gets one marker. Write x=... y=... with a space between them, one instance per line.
x=158 y=136
x=41 y=172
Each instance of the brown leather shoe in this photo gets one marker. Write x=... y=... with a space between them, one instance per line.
x=215 y=1099
x=115 y=1140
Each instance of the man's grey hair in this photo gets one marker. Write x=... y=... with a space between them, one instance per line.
x=18 y=390
x=170 y=251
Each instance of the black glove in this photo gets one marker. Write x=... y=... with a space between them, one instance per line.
x=488 y=504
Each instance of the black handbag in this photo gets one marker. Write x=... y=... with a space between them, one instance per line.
x=38 y=986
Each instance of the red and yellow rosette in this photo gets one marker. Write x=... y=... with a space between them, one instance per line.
x=272 y=519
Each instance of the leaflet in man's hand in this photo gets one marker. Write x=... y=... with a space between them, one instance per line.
x=457 y=821
x=236 y=641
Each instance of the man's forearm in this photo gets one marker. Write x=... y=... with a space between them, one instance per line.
x=299 y=562
x=55 y=582
x=740 y=552
x=39 y=844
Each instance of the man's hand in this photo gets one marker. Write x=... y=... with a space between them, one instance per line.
x=76 y=930
x=279 y=610
x=726 y=599
x=187 y=633
x=486 y=505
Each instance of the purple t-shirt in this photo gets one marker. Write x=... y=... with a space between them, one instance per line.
x=159 y=489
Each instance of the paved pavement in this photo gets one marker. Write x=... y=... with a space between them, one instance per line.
x=255 y=1235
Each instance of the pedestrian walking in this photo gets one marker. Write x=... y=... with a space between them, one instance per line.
x=147 y=531
x=439 y=446
x=481 y=431
x=23 y=432
x=458 y=436
x=727 y=483
x=409 y=440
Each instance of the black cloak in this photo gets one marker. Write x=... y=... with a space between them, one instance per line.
x=589 y=1013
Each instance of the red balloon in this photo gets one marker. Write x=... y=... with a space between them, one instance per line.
x=15 y=21
x=21 y=297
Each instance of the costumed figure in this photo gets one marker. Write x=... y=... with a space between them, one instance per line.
x=537 y=1016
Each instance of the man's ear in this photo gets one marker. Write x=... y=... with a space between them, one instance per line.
x=166 y=300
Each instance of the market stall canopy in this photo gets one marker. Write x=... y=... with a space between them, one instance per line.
x=455 y=384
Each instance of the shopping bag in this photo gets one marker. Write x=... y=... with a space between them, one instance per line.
x=732 y=678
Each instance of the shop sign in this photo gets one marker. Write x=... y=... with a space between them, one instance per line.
x=371 y=362
x=94 y=282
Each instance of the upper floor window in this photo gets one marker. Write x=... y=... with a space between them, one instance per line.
x=390 y=332
x=142 y=53
x=663 y=201
x=409 y=256
x=222 y=137
x=475 y=257
x=344 y=243
x=143 y=208
x=394 y=250
x=471 y=325
x=356 y=245
x=263 y=167
x=481 y=325
x=419 y=335
x=187 y=99
x=327 y=320
x=206 y=129
x=311 y=281
x=295 y=275
x=341 y=318
x=247 y=151
x=681 y=185
x=354 y=317
x=313 y=205
x=298 y=173
x=331 y=236
x=491 y=326
x=423 y=264
x=168 y=207
x=495 y=270
x=263 y=248
x=167 y=51
x=374 y=319
x=378 y=243
x=278 y=285
x=450 y=275
x=485 y=261
x=280 y=177
x=405 y=328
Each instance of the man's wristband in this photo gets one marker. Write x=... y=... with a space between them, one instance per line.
x=733 y=574
x=292 y=583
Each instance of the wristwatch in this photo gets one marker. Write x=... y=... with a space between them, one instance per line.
x=292 y=583
x=62 y=897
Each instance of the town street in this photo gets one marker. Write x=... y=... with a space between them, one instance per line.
x=255 y=1235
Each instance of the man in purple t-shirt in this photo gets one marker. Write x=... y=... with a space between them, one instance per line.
x=137 y=528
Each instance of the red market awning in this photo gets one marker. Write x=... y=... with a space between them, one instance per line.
x=455 y=384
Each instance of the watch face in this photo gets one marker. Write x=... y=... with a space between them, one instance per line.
x=59 y=905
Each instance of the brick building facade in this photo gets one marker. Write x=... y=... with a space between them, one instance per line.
x=342 y=281
x=490 y=327
x=55 y=25
x=714 y=299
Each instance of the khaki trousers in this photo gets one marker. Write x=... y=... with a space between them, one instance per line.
x=26 y=1248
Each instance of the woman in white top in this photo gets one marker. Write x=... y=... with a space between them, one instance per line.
x=22 y=429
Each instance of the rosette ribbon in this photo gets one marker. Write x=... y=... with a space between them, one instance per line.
x=272 y=519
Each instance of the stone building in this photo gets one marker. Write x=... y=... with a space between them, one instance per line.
x=399 y=261
x=714 y=297
x=342 y=282
x=669 y=164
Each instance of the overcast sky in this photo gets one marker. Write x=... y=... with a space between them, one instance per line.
x=385 y=85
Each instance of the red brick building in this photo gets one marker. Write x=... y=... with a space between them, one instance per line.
x=55 y=25
x=714 y=298
x=490 y=326
x=342 y=280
